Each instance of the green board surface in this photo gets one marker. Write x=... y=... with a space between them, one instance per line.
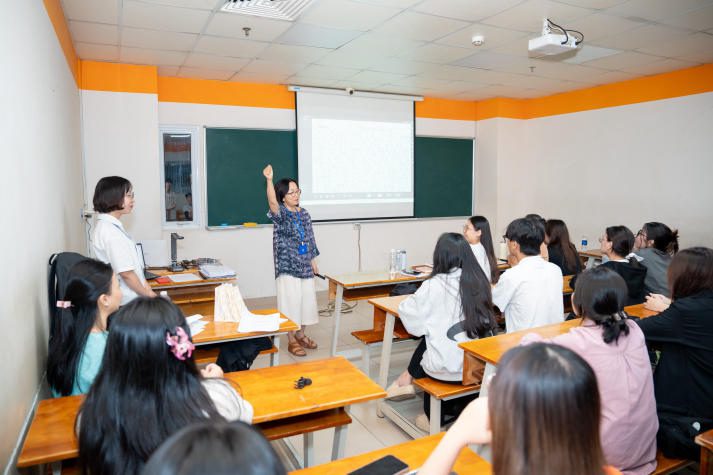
x=443 y=172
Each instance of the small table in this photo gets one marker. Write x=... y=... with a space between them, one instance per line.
x=190 y=293
x=414 y=453
x=336 y=383
x=592 y=255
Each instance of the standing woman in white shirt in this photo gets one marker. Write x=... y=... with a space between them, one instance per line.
x=452 y=306
x=477 y=232
x=114 y=198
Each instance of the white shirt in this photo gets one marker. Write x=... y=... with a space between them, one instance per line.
x=112 y=245
x=482 y=258
x=432 y=311
x=530 y=294
x=228 y=402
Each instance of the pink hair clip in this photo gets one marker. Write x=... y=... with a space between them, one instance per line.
x=181 y=345
x=63 y=304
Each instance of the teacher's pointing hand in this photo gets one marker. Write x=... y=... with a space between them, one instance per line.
x=268 y=172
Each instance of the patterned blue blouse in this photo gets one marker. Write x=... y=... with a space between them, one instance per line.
x=286 y=241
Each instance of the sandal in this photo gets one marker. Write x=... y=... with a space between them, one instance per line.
x=295 y=348
x=306 y=342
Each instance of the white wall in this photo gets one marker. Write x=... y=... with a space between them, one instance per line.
x=623 y=165
x=42 y=197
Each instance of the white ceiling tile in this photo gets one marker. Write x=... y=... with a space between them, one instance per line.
x=293 y=54
x=272 y=67
x=655 y=10
x=310 y=81
x=94 y=52
x=100 y=11
x=97 y=33
x=231 y=25
x=151 y=57
x=491 y=60
x=199 y=73
x=614 y=76
x=169 y=71
x=528 y=16
x=230 y=47
x=640 y=38
x=401 y=66
x=622 y=60
x=699 y=19
x=517 y=47
x=317 y=71
x=391 y=3
x=198 y=4
x=303 y=34
x=599 y=25
x=357 y=60
x=435 y=53
x=587 y=52
x=659 y=67
x=258 y=78
x=696 y=47
x=159 y=17
x=379 y=44
x=376 y=77
x=419 y=82
x=469 y=10
x=358 y=85
x=419 y=26
x=209 y=61
x=347 y=15
x=493 y=35
x=154 y=39
x=456 y=73
x=594 y=4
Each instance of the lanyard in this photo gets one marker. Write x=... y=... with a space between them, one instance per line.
x=297 y=218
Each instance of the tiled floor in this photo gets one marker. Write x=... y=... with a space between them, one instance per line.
x=367 y=432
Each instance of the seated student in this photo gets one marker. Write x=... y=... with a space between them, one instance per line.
x=233 y=448
x=452 y=306
x=656 y=244
x=614 y=347
x=540 y=221
x=542 y=417
x=77 y=344
x=560 y=249
x=477 y=232
x=530 y=293
x=683 y=332
x=617 y=243
x=147 y=389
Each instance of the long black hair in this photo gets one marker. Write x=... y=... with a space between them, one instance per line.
x=622 y=240
x=453 y=252
x=88 y=280
x=600 y=296
x=480 y=223
x=216 y=449
x=665 y=240
x=558 y=234
x=143 y=393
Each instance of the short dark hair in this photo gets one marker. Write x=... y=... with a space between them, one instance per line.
x=691 y=272
x=109 y=194
x=528 y=234
x=600 y=296
x=537 y=219
x=215 y=448
x=282 y=187
x=622 y=240
x=665 y=240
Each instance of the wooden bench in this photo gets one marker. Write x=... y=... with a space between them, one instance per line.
x=705 y=440
x=665 y=465
x=439 y=392
x=372 y=338
x=203 y=356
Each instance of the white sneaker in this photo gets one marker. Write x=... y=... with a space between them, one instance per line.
x=423 y=423
x=399 y=393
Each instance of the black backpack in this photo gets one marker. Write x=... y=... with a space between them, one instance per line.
x=59 y=266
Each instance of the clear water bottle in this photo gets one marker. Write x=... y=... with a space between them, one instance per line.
x=393 y=262
x=402 y=260
x=584 y=243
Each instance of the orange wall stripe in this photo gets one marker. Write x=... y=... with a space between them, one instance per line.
x=118 y=77
x=502 y=107
x=203 y=91
x=433 y=108
x=56 y=15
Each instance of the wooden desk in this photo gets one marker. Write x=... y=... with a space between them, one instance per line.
x=491 y=349
x=336 y=383
x=592 y=256
x=705 y=440
x=414 y=453
x=361 y=286
x=186 y=294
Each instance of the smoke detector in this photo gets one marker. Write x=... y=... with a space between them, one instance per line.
x=277 y=9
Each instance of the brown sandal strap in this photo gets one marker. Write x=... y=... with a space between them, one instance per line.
x=306 y=342
x=296 y=349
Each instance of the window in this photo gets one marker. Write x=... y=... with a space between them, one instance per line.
x=179 y=176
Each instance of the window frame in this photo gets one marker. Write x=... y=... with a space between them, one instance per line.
x=196 y=177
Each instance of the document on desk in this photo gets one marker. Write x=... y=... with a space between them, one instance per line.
x=250 y=322
x=180 y=278
x=196 y=324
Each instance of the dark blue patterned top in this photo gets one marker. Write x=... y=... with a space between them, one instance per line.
x=286 y=240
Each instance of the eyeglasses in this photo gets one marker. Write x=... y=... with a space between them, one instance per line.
x=294 y=192
x=641 y=233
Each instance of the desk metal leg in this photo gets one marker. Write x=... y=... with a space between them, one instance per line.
x=337 y=317
x=275 y=357
x=308 y=442
x=56 y=468
x=435 y=419
x=385 y=358
x=340 y=441
x=590 y=262
x=366 y=360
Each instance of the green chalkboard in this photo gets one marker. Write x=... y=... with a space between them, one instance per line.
x=443 y=174
x=443 y=177
x=234 y=162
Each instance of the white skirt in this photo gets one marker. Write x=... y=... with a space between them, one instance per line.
x=297 y=299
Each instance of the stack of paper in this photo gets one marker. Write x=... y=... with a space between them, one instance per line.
x=196 y=324
x=216 y=271
x=190 y=277
x=250 y=322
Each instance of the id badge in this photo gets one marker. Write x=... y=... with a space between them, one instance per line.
x=302 y=249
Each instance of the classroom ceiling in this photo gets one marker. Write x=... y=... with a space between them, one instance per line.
x=401 y=46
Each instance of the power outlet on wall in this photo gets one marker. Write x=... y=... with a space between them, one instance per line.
x=85 y=214
x=357 y=226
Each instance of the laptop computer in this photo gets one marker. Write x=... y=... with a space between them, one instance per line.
x=147 y=275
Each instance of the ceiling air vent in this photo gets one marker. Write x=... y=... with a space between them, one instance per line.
x=278 y=9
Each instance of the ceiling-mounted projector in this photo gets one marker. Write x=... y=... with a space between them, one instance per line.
x=554 y=43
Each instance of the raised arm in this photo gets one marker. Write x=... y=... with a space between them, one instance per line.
x=271 y=197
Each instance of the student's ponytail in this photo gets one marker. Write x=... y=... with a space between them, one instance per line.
x=614 y=325
x=600 y=296
x=665 y=239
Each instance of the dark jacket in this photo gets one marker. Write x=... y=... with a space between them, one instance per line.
x=683 y=380
x=634 y=275
x=556 y=257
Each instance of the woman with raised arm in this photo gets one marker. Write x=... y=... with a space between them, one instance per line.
x=295 y=252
